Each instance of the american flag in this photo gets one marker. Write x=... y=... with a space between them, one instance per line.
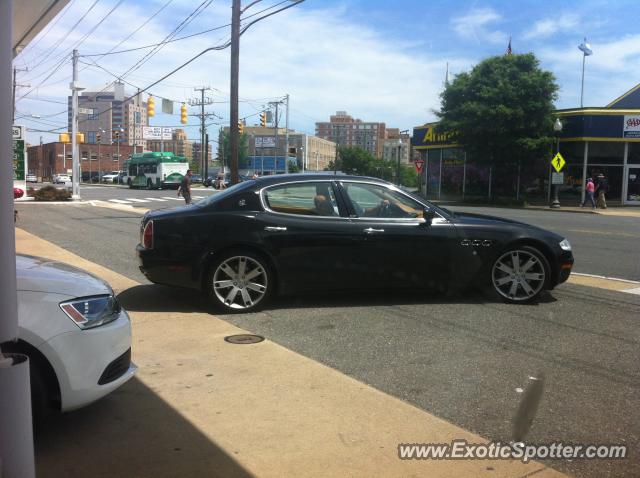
x=509 y=51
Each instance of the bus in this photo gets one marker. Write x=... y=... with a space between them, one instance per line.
x=155 y=170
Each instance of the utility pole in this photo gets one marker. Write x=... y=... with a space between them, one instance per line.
x=202 y=102
x=275 y=159
x=235 y=73
x=286 y=141
x=74 y=129
x=15 y=84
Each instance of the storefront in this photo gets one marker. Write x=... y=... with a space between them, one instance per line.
x=593 y=141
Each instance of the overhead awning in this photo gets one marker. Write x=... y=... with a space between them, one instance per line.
x=29 y=18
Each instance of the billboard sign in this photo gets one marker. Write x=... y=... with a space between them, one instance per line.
x=157 y=133
x=265 y=142
x=631 y=128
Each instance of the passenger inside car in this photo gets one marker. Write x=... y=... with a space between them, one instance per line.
x=323 y=206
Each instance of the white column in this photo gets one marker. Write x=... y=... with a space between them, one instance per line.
x=584 y=171
x=16 y=433
x=625 y=178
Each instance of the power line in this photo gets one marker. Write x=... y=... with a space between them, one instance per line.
x=184 y=37
x=191 y=60
x=53 y=24
x=176 y=30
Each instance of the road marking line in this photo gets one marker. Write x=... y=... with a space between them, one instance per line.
x=156 y=199
x=198 y=197
x=173 y=199
x=604 y=233
x=136 y=200
x=119 y=201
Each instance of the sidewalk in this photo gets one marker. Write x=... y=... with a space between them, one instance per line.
x=623 y=211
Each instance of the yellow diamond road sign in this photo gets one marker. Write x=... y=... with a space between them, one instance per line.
x=558 y=162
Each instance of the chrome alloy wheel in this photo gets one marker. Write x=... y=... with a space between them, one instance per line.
x=240 y=282
x=518 y=275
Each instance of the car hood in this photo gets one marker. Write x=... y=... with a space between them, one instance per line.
x=471 y=219
x=44 y=275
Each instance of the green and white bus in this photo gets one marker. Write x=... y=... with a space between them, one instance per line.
x=155 y=170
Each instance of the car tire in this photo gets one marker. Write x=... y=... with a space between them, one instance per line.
x=240 y=281
x=520 y=274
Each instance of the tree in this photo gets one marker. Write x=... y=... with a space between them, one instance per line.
x=224 y=148
x=354 y=160
x=502 y=111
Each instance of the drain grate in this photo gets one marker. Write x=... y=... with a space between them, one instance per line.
x=244 y=339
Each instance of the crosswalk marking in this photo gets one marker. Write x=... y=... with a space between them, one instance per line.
x=198 y=197
x=120 y=201
x=137 y=200
x=172 y=198
x=156 y=199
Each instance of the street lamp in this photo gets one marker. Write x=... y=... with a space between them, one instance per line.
x=586 y=50
x=557 y=127
x=398 y=168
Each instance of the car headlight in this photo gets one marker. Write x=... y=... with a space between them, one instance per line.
x=89 y=312
x=565 y=245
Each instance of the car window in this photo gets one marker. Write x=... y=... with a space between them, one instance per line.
x=308 y=199
x=372 y=200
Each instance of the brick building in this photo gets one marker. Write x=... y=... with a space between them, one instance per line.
x=48 y=159
x=347 y=131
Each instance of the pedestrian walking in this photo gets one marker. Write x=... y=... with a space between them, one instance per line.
x=185 y=187
x=602 y=188
x=589 y=190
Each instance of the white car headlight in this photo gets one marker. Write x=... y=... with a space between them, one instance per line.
x=89 y=312
x=565 y=245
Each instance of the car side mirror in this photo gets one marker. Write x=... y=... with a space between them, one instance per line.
x=428 y=215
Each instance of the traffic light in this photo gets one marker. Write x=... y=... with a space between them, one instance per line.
x=151 y=107
x=64 y=138
x=240 y=127
x=98 y=138
x=263 y=119
x=116 y=134
x=183 y=114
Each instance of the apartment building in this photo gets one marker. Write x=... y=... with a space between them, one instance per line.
x=344 y=130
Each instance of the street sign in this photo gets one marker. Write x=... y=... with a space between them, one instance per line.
x=157 y=133
x=557 y=178
x=419 y=164
x=85 y=111
x=558 y=162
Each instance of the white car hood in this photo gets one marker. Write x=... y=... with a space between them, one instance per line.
x=43 y=275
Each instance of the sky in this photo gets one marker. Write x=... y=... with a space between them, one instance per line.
x=378 y=60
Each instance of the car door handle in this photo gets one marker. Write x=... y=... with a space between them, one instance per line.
x=371 y=230
x=275 y=229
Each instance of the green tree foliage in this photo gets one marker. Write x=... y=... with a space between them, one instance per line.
x=354 y=160
x=501 y=111
x=224 y=148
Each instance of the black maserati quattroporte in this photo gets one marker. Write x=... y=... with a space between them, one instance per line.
x=280 y=234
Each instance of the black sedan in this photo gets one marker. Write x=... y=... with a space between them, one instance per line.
x=286 y=233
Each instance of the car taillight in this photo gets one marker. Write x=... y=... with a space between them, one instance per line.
x=17 y=193
x=147 y=235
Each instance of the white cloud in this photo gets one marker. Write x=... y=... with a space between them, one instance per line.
x=324 y=59
x=475 y=25
x=551 y=26
x=613 y=69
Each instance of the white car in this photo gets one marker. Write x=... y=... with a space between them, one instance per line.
x=74 y=331
x=31 y=178
x=111 y=177
x=61 y=179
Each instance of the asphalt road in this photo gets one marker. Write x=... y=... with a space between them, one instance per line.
x=603 y=245
x=460 y=358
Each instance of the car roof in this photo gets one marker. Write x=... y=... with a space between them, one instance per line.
x=298 y=177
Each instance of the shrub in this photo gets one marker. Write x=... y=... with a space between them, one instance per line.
x=51 y=193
